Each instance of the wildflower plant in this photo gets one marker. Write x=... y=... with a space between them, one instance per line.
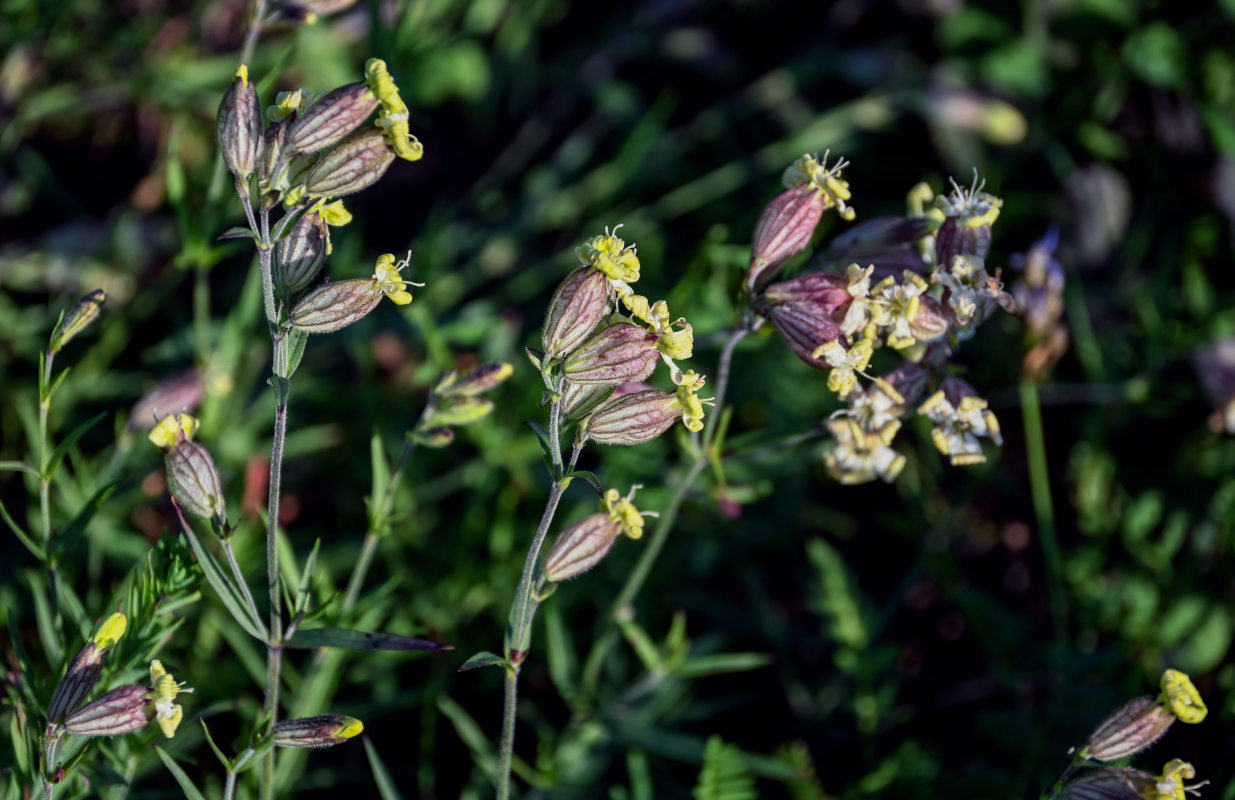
x=1127 y=731
x=599 y=343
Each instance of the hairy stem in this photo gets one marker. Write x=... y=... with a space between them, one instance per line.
x=518 y=634
x=254 y=31
x=274 y=651
x=49 y=535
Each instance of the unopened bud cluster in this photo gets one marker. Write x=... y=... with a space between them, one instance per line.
x=306 y=151
x=1130 y=729
x=889 y=284
x=456 y=401
x=600 y=336
x=317 y=732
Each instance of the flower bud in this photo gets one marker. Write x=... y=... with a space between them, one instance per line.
x=86 y=311
x=83 y=670
x=633 y=418
x=193 y=480
x=301 y=256
x=804 y=312
x=478 y=381
x=272 y=171
x=239 y=125
x=1135 y=726
x=122 y=710
x=355 y=163
x=581 y=547
x=578 y=304
x=320 y=731
x=580 y=399
x=332 y=117
x=1111 y=783
x=968 y=217
x=434 y=437
x=458 y=411
x=621 y=353
x=335 y=305
x=784 y=229
x=909 y=381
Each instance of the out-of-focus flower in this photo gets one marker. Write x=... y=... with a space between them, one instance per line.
x=971 y=292
x=961 y=418
x=1039 y=301
x=1100 y=205
x=894 y=307
x=180 y=393
x=1215 y=369
x=860 y=456
x=1111 y=783
x=875 y=406
x=846 y=364
x=968 y=217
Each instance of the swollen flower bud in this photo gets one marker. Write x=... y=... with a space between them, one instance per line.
x=1111 y=783
x=335 y=305
x=581 y=547
x=321 y=731
x=580 y=399
x=85 y=312
x=805 y=312
x=83 y=670
x=331 y=117
x=354 y=164
x=784 y=229
x=122 y=710
x=578 y=304
x=458 y=411
x=301 y=256
x=633 y=418
x=239 y=125
x=193 y=480
x=478 y=381
x=1136 y=725
x=620 y=353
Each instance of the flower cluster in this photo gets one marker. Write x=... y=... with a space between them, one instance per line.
x=595 y=355
x=896 y=286
x=124 y=709
x=315 y=149
x=1130 y=729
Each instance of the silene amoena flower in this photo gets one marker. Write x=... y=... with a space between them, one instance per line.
x=612 y=256
x=846 y=364
x=959 y=426
x=813 y=171
x=896 y=306
x=859 y=455
x=970 y=291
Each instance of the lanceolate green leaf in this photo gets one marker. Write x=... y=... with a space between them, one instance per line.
x=58 y=454
x=360 y=640
x=186 y=783
x=223 y=587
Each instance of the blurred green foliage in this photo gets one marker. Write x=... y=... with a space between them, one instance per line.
x=844 y=633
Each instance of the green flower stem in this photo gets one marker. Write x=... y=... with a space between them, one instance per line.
x=382 y=511
x=1040 y=490
x=274 y=651
x=523 y=611
x=49 y=535
x=255 y=30
x=664 y=524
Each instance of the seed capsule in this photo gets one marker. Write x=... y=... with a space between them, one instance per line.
x=580 y=399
